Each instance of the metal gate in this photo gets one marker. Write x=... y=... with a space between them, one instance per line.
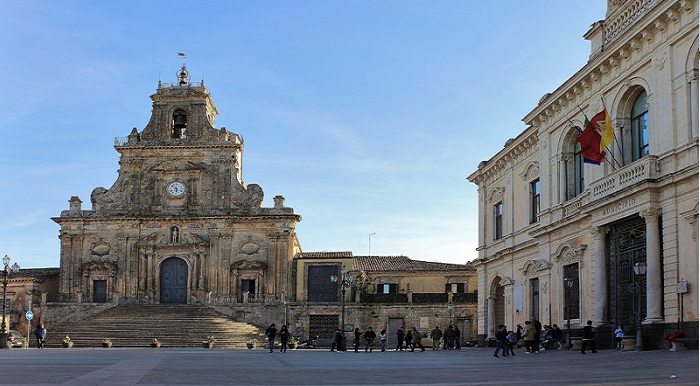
x=173 y=281
x=626 y=243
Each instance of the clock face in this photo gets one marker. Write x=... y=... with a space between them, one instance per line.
x=176 y=189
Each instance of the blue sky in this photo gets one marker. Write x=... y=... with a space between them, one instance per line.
x=366 y=115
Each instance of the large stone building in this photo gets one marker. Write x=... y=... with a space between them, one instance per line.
x=559 y=238
x=179 y=224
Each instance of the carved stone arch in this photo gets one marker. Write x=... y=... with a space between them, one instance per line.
x=496 y=195
x=534 y=265
x=530 y=171
x=569 y=253
x=693 y=58
x=249 y=265
x=624 y=99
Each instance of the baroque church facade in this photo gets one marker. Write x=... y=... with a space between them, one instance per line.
x=559 y=239
x=179 y=225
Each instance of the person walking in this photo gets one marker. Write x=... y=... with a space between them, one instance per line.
x=284 y=337
x=538 y=333
x=619 y=333
x=449 y=338
x=337 y=340
x=358 y=335
x=40 y=333
x=501 y=336
x=436 y=335
x=510 y=342
x=529 y=337
x=457 y=337
x=588 y=337
x=370 y=336
x=382 y=339
x=409 y=339
x=271 y=333
x=417 y=337
x=400 y=335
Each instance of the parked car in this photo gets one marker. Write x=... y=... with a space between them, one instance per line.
x=14 y=339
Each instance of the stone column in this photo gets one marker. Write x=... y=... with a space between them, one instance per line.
x=599 y=277
x=563 y=181
x=490 y=317
x=655 y=296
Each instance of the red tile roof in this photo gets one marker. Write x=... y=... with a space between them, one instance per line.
x=403 y=263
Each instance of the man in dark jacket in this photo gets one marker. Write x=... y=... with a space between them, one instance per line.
x=271 y=333
x=538 y=333
x=369 y=339
x=399 y=338
x=436 y=335
x=588 y=338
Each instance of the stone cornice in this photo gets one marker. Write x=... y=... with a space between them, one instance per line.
x=631 y=41
x=513 y=151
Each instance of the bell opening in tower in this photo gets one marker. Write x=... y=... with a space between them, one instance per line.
x=179 y=127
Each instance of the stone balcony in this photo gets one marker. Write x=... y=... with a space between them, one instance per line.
x=644 y=169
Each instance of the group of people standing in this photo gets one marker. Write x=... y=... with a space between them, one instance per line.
x=451 y=336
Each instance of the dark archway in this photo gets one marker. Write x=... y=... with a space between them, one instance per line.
x=173 y=281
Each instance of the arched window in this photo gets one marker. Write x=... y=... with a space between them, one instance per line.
x=572 y=168
x=179 y=125
x=640 y=130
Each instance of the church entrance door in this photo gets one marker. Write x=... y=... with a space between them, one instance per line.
x=99 y=291
x=173 y=281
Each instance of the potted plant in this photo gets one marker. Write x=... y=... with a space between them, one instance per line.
x=209 y=342
x=106 y=343
x=251 y=343
x=155 y=343
x=67 y=343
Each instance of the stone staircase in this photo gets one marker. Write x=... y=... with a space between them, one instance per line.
x=173 y=325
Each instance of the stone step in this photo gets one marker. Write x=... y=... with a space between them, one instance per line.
x=172 y=325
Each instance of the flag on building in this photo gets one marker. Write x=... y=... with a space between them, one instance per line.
x=590 y=140
x=608 y=132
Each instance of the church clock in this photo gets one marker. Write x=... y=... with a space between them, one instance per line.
x=176 y=189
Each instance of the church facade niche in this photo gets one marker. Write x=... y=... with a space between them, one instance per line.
x=179 y=223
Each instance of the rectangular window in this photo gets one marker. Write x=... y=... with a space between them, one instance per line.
x=498 y=221
x=534 y=201
x=535 y=297
x=456 y=288
x=571 y=292
x=388 y=288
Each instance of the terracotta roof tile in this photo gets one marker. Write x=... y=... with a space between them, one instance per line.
x=403 y=263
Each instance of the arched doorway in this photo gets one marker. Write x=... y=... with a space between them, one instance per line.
x=173 y=281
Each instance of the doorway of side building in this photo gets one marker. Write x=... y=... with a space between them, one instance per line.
x=173 y=281
x=496 y=312
x=394 y=325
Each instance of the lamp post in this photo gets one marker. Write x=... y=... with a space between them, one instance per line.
x=6 y=271
x=344 y=281
x=450 y=307
x=640 y=269
x=568 y=285
x=369 y=243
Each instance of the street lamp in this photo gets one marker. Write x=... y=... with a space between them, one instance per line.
x=568 y=285
x=369 y=243
x=344 y=281
x=6 y=271
x=640 y=269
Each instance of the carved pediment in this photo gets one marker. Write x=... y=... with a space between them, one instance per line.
x=98 y=266
x=569 y=252
x=532 y=266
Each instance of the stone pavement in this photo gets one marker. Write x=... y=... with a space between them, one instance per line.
x=474 y=366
